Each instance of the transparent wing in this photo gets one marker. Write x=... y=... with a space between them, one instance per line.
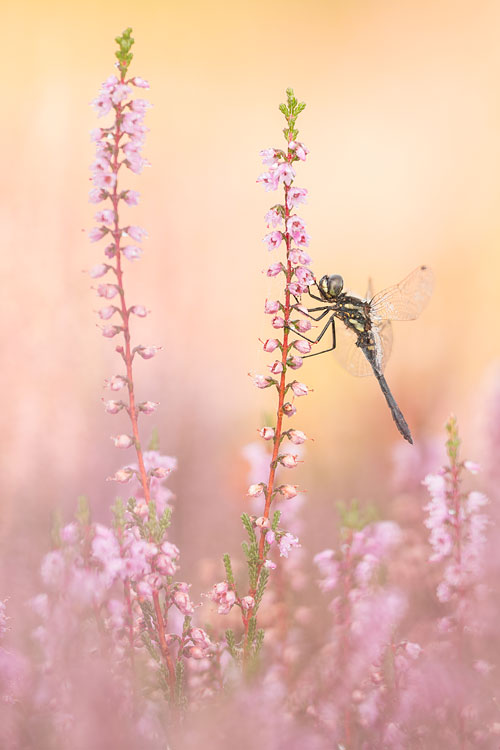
x=406 y=300
x=351 y=357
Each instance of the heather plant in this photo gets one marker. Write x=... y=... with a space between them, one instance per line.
x=265 y=534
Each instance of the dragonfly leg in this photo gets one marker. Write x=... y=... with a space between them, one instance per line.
x=334 y=339
x=315 y=309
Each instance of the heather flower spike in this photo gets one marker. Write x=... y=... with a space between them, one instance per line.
x=288 y=236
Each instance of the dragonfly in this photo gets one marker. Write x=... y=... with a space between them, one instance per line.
x=365 y=338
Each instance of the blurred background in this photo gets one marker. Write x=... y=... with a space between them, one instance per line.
x=403 y=126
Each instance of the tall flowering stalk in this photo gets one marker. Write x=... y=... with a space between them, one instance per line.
x=148 y=560
x=458 y=539
x=288 y=231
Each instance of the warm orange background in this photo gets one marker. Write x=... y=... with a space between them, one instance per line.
x=403 y=125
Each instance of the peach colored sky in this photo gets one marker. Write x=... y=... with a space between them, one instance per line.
x=403 y=126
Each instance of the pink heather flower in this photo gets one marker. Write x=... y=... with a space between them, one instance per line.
x=304 y=276
x=123 y=441
x=104 y=180
x=436 y=485
x=270 y=565
x=136 y=233
x=270 y=155
x=106 y=216
x=105 y=313
x=302 y=346
x=267 y=433
x=53 y=569
x=110 y=251
x=299 y=388
x=102 y=104
x=122 y=475
x=262 y=522
x=113 y=407
x=286 y=543
x=147 y=352
x=262 y=381
x=140 y=105
x=120 y=92
x=222 y=595
x=276 y=367
x=139 y=310
x=295 y=362
x=273 y=218
x=296 y=195
x=300 y=150
x=98 y=271
x=475 y=500
x=183 y=603
x=295 y=225
x=255 y=490
x=288 y=490
x=278 y=322
x=110 y=331
x=269 y=180
x=160 y=472
x=289 y=409
x=97 y=233
x=139 y=82
x=273 y=240
x=132 y=252
x=413 y=650
x=275 y=269
x=247 y=602
x=200 y=637
x=116 y=383
x=108 y=291
x=271 y=306
x=302 y=325
x=270 y=345
x=270 y=537
x=148 y=407
x=297 y=436
x=131 y=197
x=70 y=533
x=96 y=195
x=289 y=460
x=284 y=173
x=473 y=467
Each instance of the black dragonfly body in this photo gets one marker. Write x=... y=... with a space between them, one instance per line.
x=367 y=326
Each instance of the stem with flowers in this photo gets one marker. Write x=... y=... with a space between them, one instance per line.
x=147 y=560
x=264 y=531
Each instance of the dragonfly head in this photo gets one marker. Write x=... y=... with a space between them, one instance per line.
x=330 y=286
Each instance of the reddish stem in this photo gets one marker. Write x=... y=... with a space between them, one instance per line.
x=128 y=357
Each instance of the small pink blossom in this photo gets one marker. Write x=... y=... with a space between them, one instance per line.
x=139 y=310
x=108 y=291
x=296 y=195
x=223 y=596
x=288 y=491
x=289 y=460
x=105 y=313
x=297 y=436
x=273 y=240
x=270 y=537
x=247 y=602
x=270 y=345
x=147 y=352
x=473 y=467
x=147 y=407
x=132 y=252
x=123 y=441
x=116 y=383
x=255 y=490
x=120 y=92
x=270 y=565
x=275 y=269
x=122 y=475
x=271 y=306
x=136 y=233
x=97 y=195
x=269 y=180
x=139 y=82
x=295 y=362
x=302 y=346
x=110 y=331
x=289 y=409
x=300 y=389
x=286 y=543
x=104 y=180
x=278 y=322
x=276 y=367
x=262 y=381
x=273 y=218
x=97 y=271
x=300 y=150
x=270 y=156
x=302 y=325
x=97 y=233
x=284 y=173
x=262 y=523
x=267 y=433
x=113 y=407
x=102 y=104
x=183 y=603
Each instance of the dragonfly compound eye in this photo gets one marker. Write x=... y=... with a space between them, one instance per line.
x=334 y=285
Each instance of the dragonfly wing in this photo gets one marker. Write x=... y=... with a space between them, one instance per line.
x=406 y=300
x=351 y=356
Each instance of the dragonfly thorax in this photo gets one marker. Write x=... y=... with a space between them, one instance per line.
x=330 y=286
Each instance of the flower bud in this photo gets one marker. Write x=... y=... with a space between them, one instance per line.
x=267 y=433
x=147 y=407
x=289 y=460
x=270 y=345
x=255 y=490
x=297 y=436
x=122 y=441
x=113 y=407
x=289 y=409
